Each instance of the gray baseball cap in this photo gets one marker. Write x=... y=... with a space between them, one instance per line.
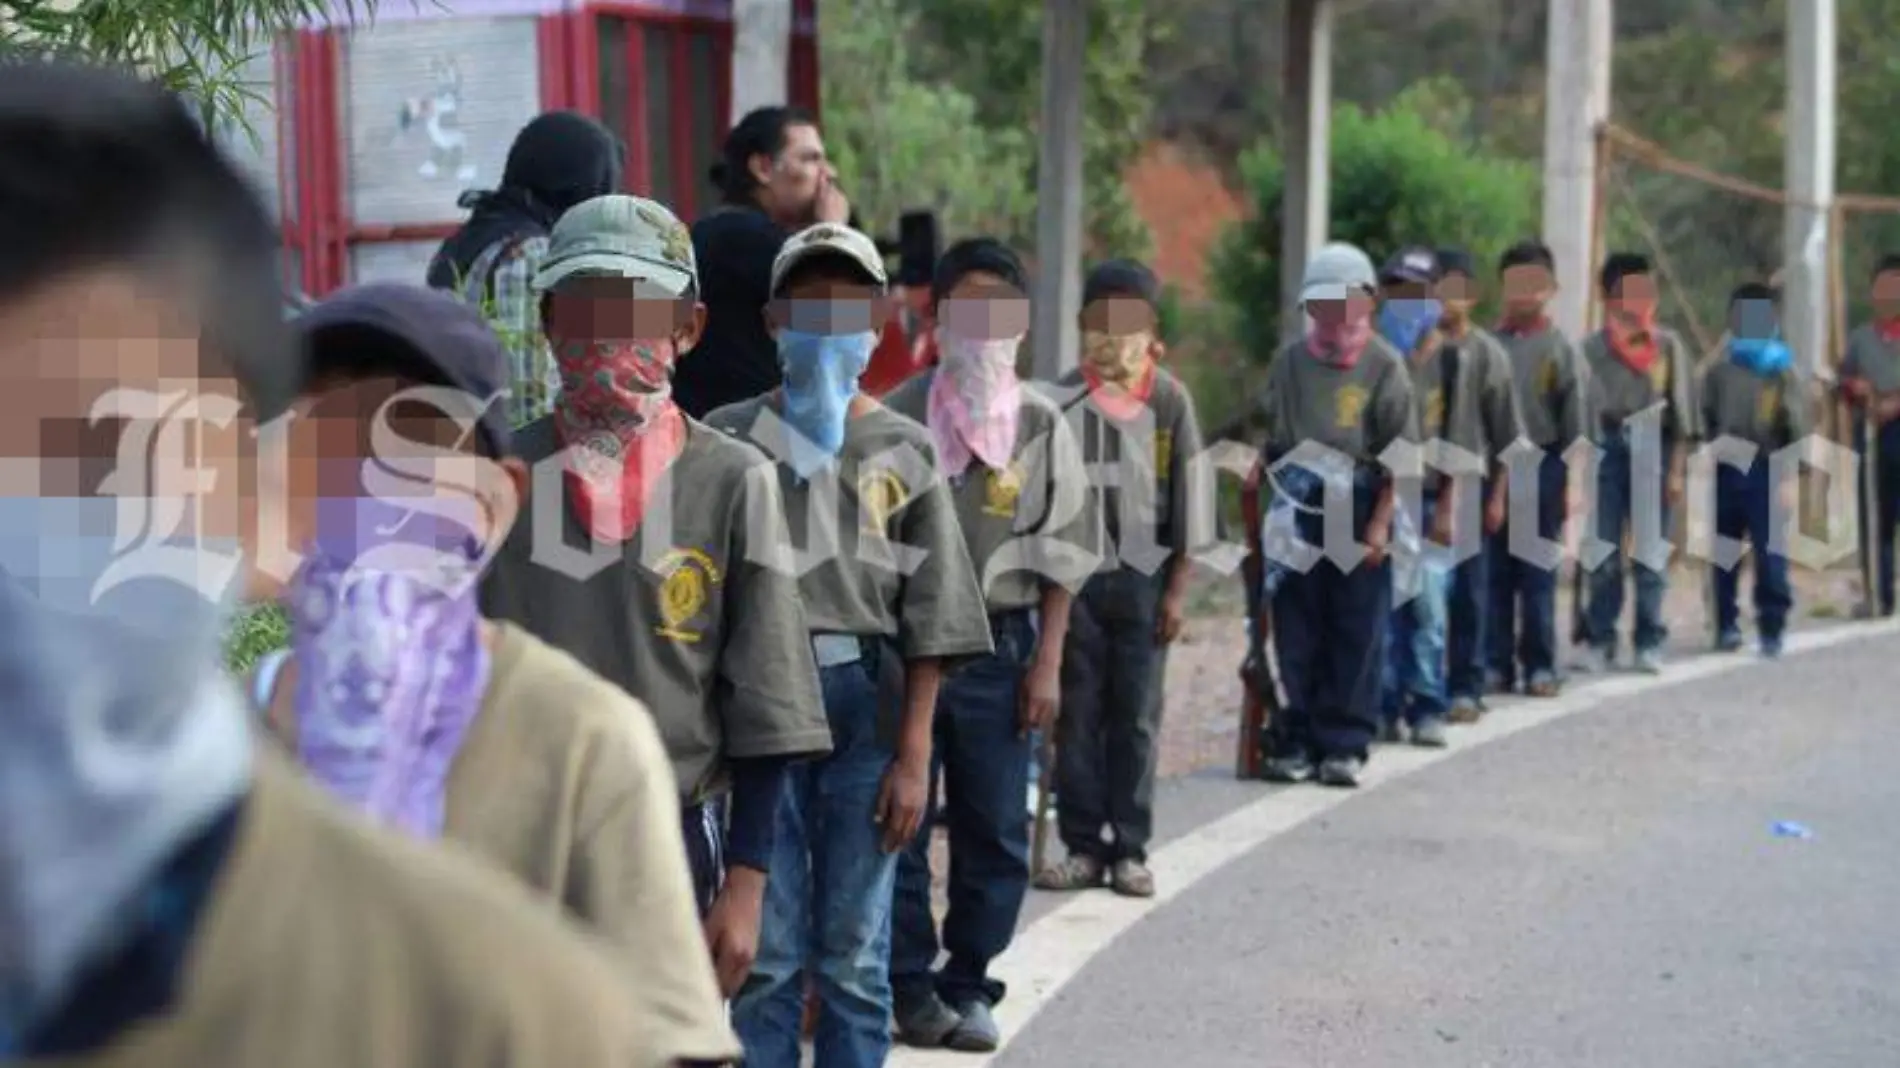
x=618 y=236
x=1335 y=271
x=829 y=239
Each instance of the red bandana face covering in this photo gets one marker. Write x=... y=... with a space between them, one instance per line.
x=616 y=411
x=1631 y=329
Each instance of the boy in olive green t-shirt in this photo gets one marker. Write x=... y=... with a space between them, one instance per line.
x=1870 y=380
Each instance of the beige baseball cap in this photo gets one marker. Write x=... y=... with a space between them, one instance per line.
x=619 y=236
x=829 y=239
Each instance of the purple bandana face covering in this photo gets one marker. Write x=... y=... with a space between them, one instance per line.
x=391 y=667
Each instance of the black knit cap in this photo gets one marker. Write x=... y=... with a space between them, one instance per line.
x=973 y=255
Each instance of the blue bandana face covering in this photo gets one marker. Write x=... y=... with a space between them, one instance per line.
x=1405 y=321
x=1756 y=341
x=821 y=376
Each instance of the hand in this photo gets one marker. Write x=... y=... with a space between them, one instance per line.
x=1170 y=620
x=1854 y=388
x=1041 y=696
x=1440 y=530
x=732 y=927
x=1573 y=501
x=1673 y=489
x=1494 y=514
x=832 y=205
x=901 y=799
x=1378 y=541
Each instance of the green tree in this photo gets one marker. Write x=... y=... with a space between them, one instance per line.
x=901 y=143
x=1399 y=176
x=196 y=47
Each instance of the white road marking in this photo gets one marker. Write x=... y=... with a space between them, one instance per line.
x=1050 y=952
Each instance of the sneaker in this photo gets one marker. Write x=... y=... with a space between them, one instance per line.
x=977 y=1031
x=1294 y=767
x=1649 y=661
x=1544 y=684
x=923 y=1020
x=1465 y=710
x=1598 y=660
x=1077 y=872
x=1497 y=682
x=1342 y=771
x=1131 y=878
x=1430 y=734
x=1392 y=732
x=1770 y=647
x=1729 y=640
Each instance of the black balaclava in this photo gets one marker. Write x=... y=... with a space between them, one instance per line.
x=557 y=161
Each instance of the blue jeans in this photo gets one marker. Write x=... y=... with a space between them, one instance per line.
x=1468 y=602
x=1414 y=677
x=1744 y=508
x=1616 y=512
x=828 y=898
x=1521 y=631
x=1112 y=671
x=983 y=758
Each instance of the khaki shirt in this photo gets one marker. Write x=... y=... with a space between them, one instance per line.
x=1485 y=365
x=562 y=783
x=1149 y=489
x=874 y=535
x=687 y=615
x=1619 y=392
x=1032 y=525
x=329 y=943
x=1873 y=358
x=1767 y=411
x=1552 y=383
x=1359 y=410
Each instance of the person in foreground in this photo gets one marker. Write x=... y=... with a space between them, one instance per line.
x=397 y=695
x=889 y=592
x=1344 y=388
x=171 y=894
x=1020 y=491
x=646 y=564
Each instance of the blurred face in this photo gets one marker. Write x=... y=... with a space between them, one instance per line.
x=830 y=307
x=1459 y=295
x=110 y=394
x=635 y=330
x=1636 y=292
x=1887 y=294
x=1119 y=338
x=982 y=306
x=1754 y=318
x=1527 y=288
x=1395 y=289
x=790 y=182
x=1357 y=307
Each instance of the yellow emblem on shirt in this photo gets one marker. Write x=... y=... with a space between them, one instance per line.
x=1349 y=406
x=1768 y=405
x=1659 y=373
x=1547 y=378
x=1164 y=452
x=688 y=577
x=1434 y=411
x=1001 y=491
x=880 y=494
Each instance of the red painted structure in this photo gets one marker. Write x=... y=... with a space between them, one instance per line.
x=319 y=234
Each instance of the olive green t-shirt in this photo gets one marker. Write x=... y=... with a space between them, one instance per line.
x=1769 y=411
x=1359 y=411
x=1152 y=497
x=327 y=942
x=1444 y=394
x=686 y=615
x=1619 y=391
x=874 y=539
x=1487 y=367
x=562 y=783
x=1873 y=358
x=1031 y=525
x=1552 y=383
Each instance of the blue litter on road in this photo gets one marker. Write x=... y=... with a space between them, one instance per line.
x=1791 y=829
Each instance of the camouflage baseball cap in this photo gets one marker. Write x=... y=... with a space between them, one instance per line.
x=829 y=239
x=619 y=236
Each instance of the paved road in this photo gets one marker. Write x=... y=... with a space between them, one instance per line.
x=1592 y=885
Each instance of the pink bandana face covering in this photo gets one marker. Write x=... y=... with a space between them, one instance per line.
x=975 y=401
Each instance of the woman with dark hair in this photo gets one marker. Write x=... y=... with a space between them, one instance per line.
x=774 y=180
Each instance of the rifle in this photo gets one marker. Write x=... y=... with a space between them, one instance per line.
x=1260 y=697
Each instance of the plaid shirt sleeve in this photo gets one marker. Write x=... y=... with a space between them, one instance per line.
x=516 y=315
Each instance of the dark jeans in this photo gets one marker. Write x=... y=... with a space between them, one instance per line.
x=1521 y=627
x=1111 y=716
x=704 y=828
x=1467 y=605
x=1617 y=504
x=982 y=758
x=828 y=898
x=1744 y=508
x=1329 y=635
x=1886 y=508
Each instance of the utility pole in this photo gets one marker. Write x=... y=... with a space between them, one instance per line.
x=1576 y=104
x=761 y=55
x=1808 y=174
x=1059 y=188
x=1307 y=120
